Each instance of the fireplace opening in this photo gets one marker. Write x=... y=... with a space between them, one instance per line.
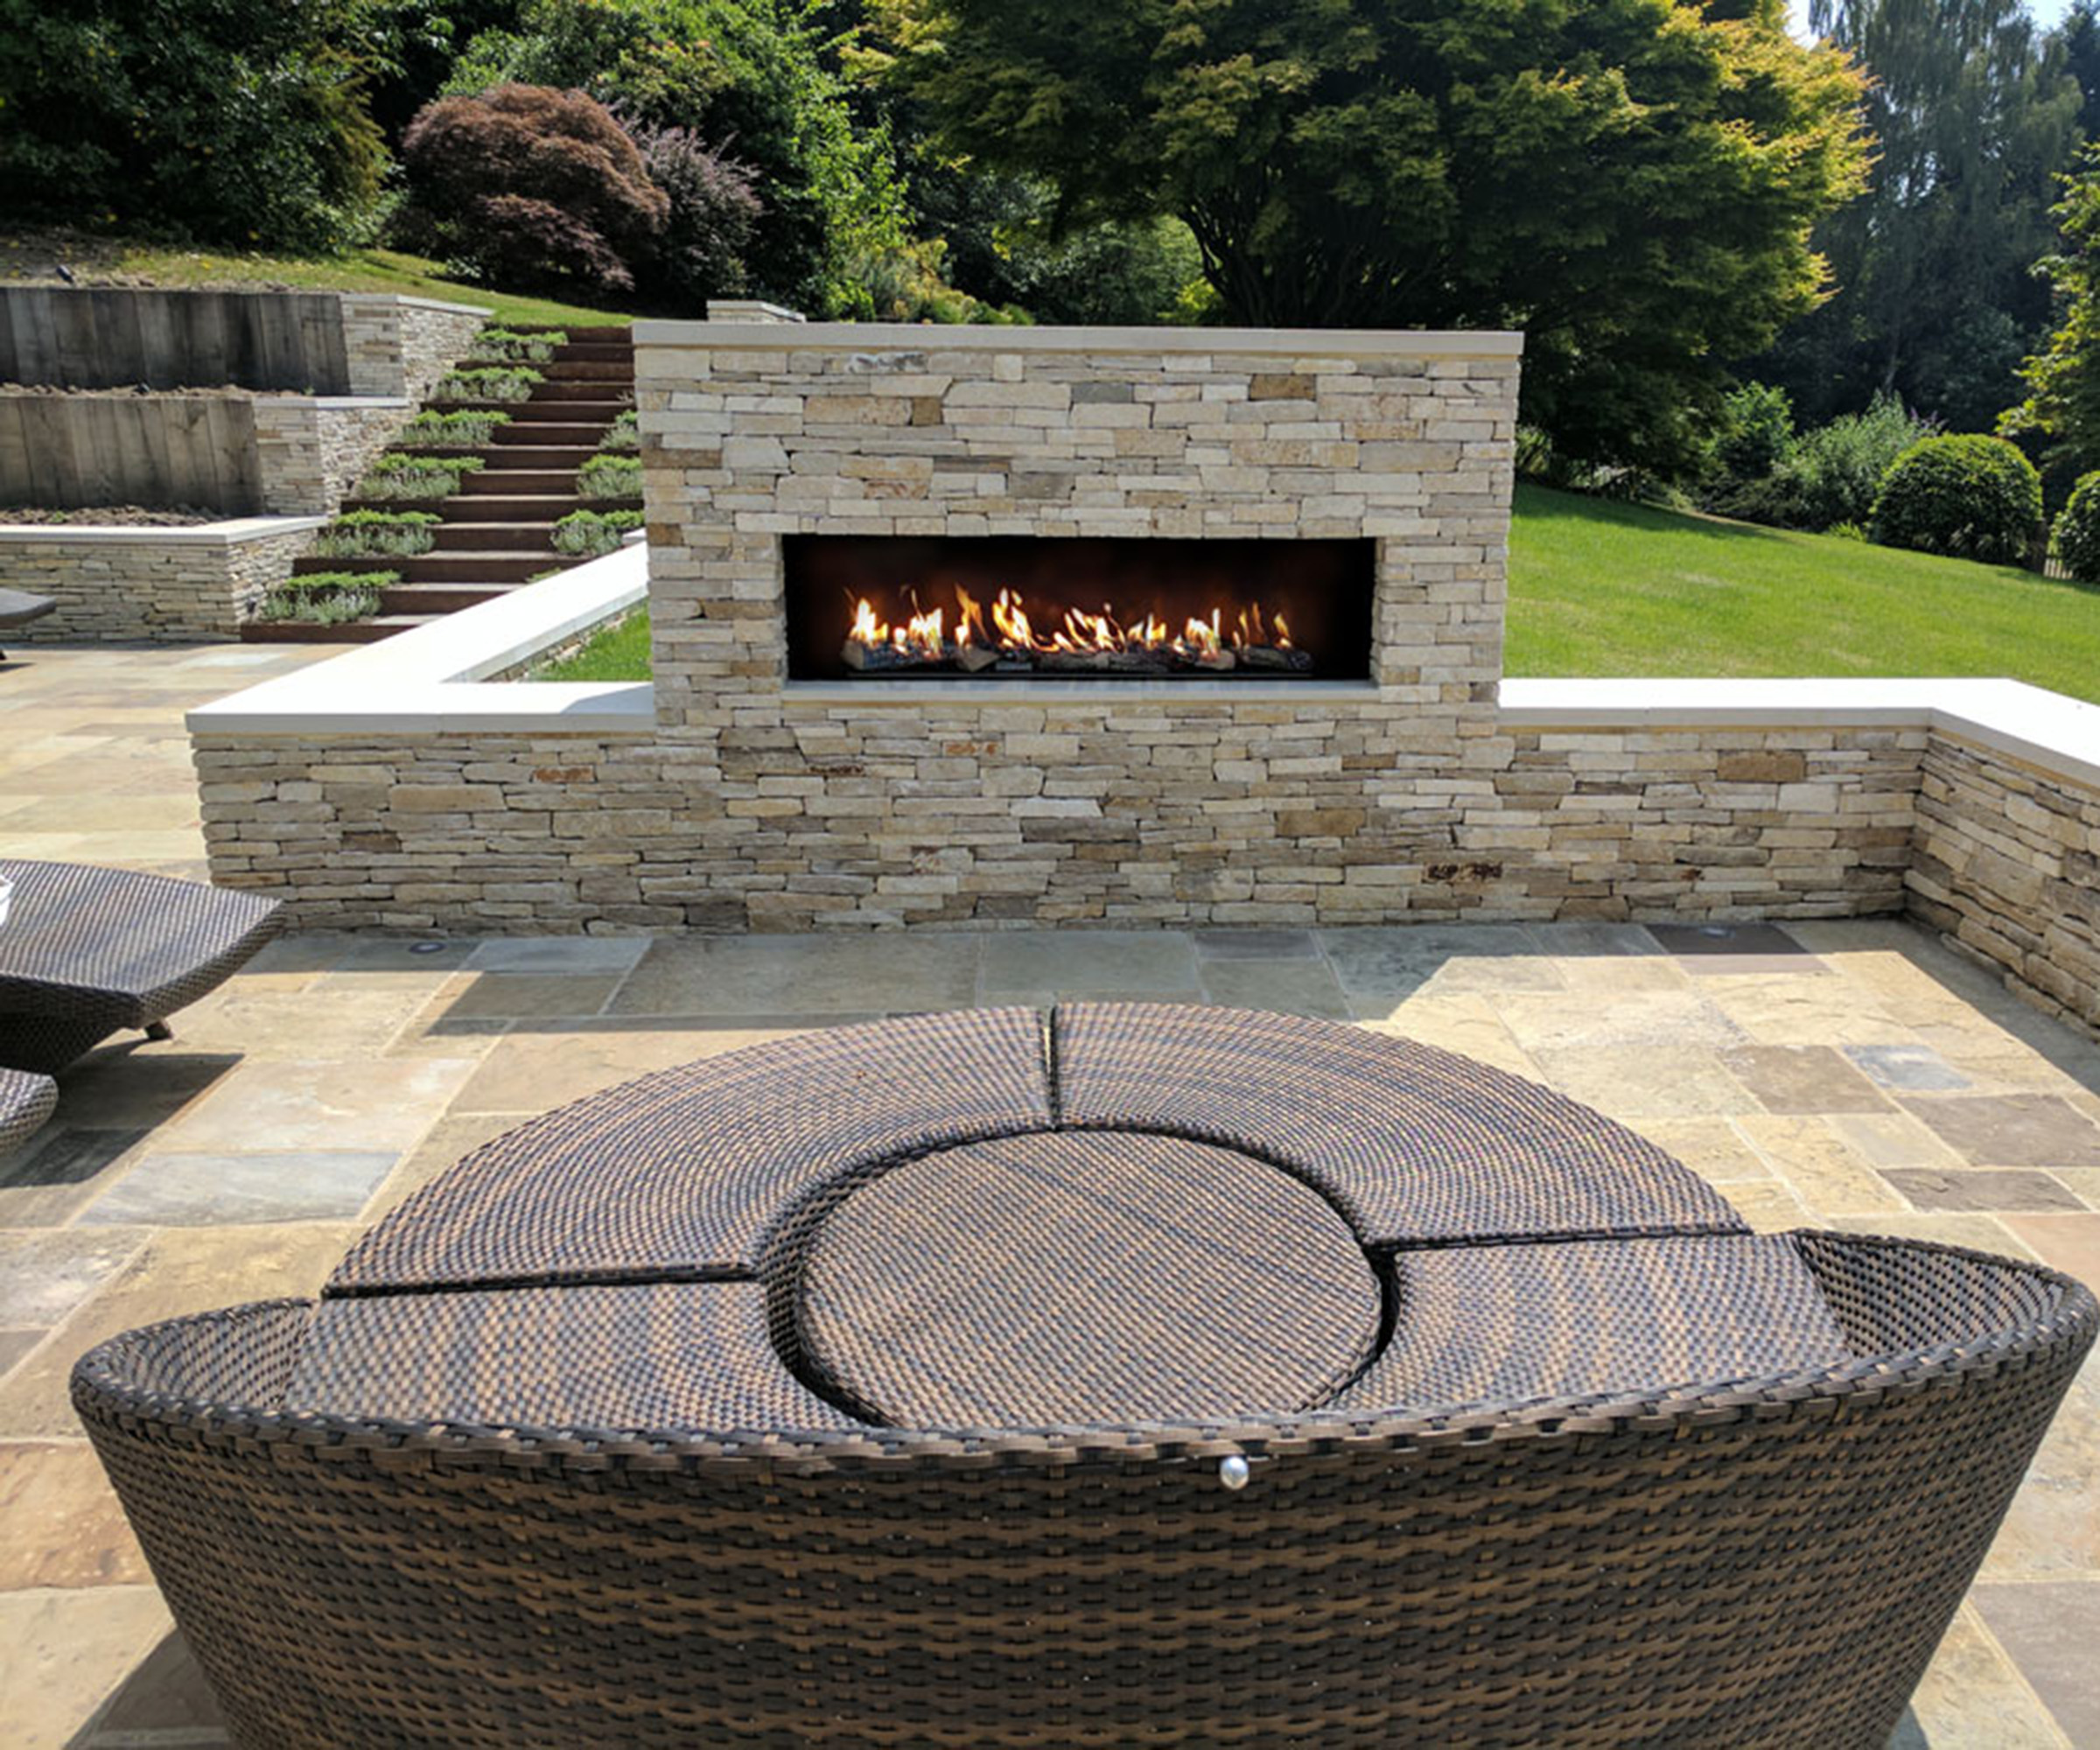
x=1013 y=607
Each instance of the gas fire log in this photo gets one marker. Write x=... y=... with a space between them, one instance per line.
x=1268 y=656
x=971 y=658
x=882 y=659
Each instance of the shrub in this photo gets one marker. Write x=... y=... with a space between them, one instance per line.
x=357 y=533
x=624 y=432
x=326 y=597
x=488 y=382
x=1757 y=428
x=509 y=345
x=610 y=477
x=715 y=206
x=1828 y=474
x=1970 y=495
x=528 y=186
x=395 y=475
x=460 y=428
x=593 y=532
x=1846 y=531
x=2077 y=536
x=767 y=73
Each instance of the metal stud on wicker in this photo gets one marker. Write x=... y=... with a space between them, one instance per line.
x=972 y=1381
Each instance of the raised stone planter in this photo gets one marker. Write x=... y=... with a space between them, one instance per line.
x=159 y=585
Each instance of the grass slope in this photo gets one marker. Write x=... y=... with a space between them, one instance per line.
x=1599 y=588
x=109 y=260
x=618 y=652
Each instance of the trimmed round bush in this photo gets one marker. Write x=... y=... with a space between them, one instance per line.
x=2078 y=530
x=1970 y=496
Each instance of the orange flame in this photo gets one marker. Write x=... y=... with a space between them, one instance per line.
x=925 y=635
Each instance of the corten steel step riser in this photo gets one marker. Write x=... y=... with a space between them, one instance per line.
x=438 y=598
x=519 y=482
x=541 y=507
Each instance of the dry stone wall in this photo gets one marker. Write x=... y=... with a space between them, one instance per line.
x=308 y=453
x=2006 y=866
x=139 y=584
x=402 y=345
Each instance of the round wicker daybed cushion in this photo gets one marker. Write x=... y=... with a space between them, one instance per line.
x=1114 y=1213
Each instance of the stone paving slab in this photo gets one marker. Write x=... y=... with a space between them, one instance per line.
x=1848 y=1074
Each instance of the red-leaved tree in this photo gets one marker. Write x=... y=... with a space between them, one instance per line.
x=529 y=186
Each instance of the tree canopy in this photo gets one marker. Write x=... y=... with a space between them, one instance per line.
x=2062 y=406
x=1631 y=182
x=1974 y=114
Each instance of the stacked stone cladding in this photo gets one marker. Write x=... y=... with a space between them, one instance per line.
x=2006 y=866
x=136 y=585
x=402 y=345
x=758 y=804
x=310 y=453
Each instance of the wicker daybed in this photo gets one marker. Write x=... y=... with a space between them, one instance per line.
x=86 y=952
x=1135 y=1374
x=26 y=1103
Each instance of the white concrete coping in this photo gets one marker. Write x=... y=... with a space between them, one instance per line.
x=2049 y=730
x=1296 y=343
x=421 y=302
x=228 y=533
x=356 y=403
x=432 y=680
x=750 y=310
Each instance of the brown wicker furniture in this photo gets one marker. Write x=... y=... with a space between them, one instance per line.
x=26 y=1103
x=1131 y=1375
x=19 y=607
x=86 y=952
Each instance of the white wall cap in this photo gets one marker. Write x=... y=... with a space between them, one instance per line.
x=225 y=533
x=1298 y=343
x=431 y=679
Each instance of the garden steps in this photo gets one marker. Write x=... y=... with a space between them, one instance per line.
x=434 y=599
x=496 y=533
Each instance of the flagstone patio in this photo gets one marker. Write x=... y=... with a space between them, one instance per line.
x=1849 y=1075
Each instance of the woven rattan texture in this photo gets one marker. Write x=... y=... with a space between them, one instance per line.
x=87 y=951
x=1080 y=1276
x=1416 y=1145
x=1522 y=1323
x=684 y=1173
x=665 y=1357
x=1768 y=1568
x=26 y=1103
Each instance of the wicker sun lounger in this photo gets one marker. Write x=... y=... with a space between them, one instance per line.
x=26 y=1103
x=19 y=607
x=1137 y=1375
x=86 y=952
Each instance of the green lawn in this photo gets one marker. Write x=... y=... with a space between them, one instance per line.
x=94 y=259
x=1597 y=588
x=618 y=652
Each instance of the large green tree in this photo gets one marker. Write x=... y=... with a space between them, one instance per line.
x=1975 y=114
x=2064 y=406
x=1631 y=182
x=235 y=122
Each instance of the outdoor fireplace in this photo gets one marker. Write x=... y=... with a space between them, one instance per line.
x=1018 y=607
